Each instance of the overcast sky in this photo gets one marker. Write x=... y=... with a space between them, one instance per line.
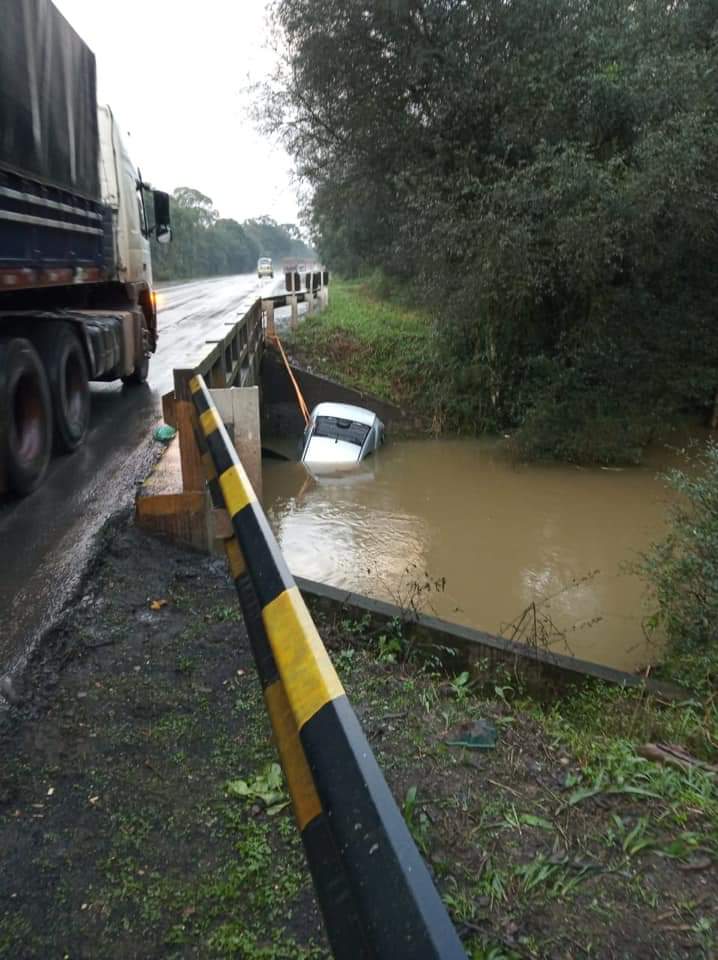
x=174 y=72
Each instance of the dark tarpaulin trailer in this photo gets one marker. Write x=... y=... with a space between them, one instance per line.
x=48 y=102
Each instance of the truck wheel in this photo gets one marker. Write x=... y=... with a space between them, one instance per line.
x=67 y=373
x=26 y=434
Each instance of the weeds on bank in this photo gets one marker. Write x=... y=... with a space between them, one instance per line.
x=393 y=641
x=604 y=727
x=417 y=820
x=238 y=905
x=534 y=626
x=682 y=574
x=377 y=346
x=267 y=786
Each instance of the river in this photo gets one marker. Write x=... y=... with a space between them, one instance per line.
x=488 y=536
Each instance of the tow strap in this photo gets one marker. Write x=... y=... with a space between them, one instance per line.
x=300 y=399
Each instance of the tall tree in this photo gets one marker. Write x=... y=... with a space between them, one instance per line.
x=545 y=171
x=205 y=244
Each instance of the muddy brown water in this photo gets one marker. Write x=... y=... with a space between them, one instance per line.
x=502 y=535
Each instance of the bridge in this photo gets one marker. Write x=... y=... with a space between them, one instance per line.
x=173 y=500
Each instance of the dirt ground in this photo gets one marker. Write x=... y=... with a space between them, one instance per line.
x=120 y=838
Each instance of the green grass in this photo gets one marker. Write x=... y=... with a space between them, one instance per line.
x=603 y=727
x=379 y=346
x=151 y=845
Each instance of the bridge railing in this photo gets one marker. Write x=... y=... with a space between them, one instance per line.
x=374 y=890
x=231 y=360
x=310 y=288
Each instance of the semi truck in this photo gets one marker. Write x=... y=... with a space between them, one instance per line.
x=76 y=218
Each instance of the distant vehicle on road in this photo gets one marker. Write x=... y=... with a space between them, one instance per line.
x=264 y=267
x=340 y=434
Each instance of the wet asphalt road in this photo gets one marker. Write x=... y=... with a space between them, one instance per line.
x=46 y=539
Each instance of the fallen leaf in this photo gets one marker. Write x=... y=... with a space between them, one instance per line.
x=157 y=604
x=531 y=821
x=240 y=788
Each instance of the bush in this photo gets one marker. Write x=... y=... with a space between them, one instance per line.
x=682 y=573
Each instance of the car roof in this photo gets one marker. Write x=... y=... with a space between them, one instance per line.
x=344 y=411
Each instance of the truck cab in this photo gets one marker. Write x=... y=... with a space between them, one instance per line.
x=138 y=213
x=133 y=203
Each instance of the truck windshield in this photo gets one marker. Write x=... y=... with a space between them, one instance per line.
x=338 y=429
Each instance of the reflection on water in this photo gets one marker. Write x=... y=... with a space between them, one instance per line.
x=502 y=535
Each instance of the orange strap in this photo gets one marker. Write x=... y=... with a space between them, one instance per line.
x=300 y=399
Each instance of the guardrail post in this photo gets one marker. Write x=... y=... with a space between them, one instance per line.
x=268 y=307
x=191 y=463
x=294 y=317
x=341 y=920
x=324 y=288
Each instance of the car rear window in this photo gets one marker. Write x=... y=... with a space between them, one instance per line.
x=337 y=429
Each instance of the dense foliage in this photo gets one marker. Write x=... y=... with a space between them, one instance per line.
x=682 y=571
x=277 y=240
x=205 y=244
x=545 y=173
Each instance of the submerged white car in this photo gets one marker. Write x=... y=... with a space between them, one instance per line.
x=340 y=434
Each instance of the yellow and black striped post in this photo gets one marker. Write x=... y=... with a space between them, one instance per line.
x=342 y=923
x=399 y=910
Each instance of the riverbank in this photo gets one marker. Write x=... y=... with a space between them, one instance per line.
x=372 y=344
x=121 y=836
x=375 y=338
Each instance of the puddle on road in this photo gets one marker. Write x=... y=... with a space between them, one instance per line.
x=502 y=535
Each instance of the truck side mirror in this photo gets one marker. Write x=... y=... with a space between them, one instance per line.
x=163 y=230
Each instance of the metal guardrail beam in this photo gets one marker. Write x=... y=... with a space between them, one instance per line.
x=367 y=870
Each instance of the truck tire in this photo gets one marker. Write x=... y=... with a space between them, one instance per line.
x=66 y=368
x=141 y=372
x=26 y=427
